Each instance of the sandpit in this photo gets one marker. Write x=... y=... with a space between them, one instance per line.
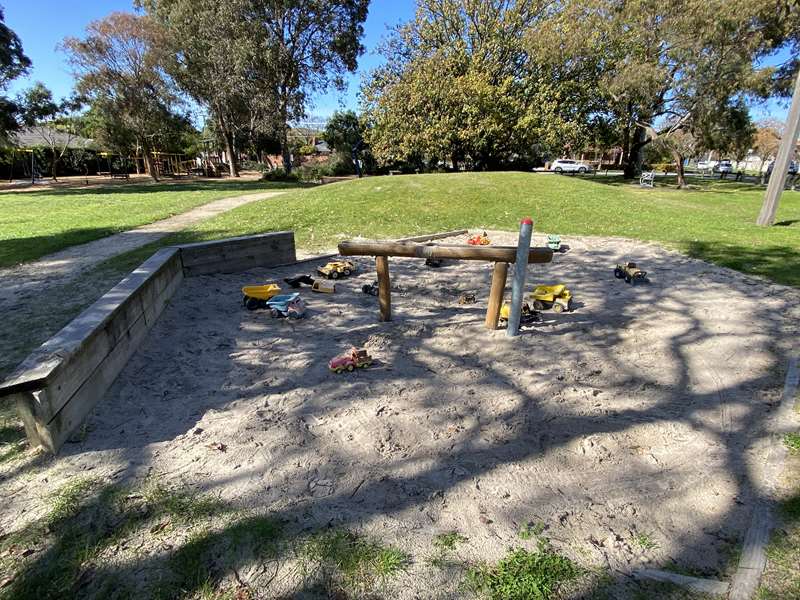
x=640 y=415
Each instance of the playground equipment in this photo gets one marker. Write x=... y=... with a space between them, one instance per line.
x=500 y=255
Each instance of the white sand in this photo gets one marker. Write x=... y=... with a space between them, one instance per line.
x=639 y=413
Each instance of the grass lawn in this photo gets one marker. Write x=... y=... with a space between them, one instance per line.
x=715 y=221
x=33 y=224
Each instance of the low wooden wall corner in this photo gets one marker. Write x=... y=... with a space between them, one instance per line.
x=57 y=386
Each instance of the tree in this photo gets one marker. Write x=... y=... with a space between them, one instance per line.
x=463 y=83
x=344 y=133
x=50 y=121
x=665 y=62
x=214 y=60
x=310 y=45
x=119 y=67
x=13 y=63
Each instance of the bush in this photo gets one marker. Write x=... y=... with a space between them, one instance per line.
x=281 y=175
x=664 y=167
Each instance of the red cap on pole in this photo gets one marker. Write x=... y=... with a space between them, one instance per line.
x=527 y=221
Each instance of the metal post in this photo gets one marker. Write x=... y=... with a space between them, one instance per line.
x=780 y=169
x=520 y=273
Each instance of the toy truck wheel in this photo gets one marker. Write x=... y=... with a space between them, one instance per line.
x=334 y=275
x=251 y=303
x=538 y=305
x=350 y=367
x=618 y=273
x=627 y=278
x=347 y=272
x=558 y=307
x=274 y=313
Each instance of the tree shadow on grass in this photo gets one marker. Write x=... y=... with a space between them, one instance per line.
x=778 y=263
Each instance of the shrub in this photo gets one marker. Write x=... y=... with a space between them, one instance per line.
x=280 y=174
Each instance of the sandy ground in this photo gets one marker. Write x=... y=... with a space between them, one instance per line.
x=24 y=286
x=641 y=412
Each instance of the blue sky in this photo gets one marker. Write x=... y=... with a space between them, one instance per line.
x=42 y=24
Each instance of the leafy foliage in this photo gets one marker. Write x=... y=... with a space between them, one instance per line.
x=13 y=64
x=119 y=65
x=461 y=86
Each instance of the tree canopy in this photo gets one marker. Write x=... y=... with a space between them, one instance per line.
x=119 y=68
x=13 y=63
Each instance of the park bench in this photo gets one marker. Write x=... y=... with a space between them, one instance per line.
x=647 y=179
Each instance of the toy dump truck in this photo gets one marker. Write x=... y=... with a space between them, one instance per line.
x=287 y=305
x=556 y=297
x=354 y=359
x=336 y=269
x=527 y=317
x=257 y=296
x=370 y=288
x=630 y=273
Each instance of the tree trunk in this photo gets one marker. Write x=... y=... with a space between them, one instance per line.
x=54 y=167
x=149 y=164
x=633 y=166
x=285 y=150
x=679 y=169
x=232 y=168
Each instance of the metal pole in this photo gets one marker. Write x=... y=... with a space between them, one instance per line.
x=520 y=272
x=780 y=169
x=33 y=174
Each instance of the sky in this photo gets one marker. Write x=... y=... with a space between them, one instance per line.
x=42 y=24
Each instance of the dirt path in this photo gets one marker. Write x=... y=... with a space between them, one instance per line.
x=27 y=287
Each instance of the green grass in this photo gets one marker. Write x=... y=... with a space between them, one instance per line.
x=349 y=564
x=792 y=441
x=33 y=224
x=523 y=575
x=645 y=541
x=715 y=221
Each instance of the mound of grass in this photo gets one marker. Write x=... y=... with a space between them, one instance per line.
x=715 y=221
x=523 y=575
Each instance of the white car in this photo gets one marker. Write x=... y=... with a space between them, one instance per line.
x=565 y=165
x=706 y=165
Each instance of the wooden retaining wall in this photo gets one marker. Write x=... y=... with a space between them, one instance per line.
x=57 y=386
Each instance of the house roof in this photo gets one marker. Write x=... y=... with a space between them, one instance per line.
x=39 y=136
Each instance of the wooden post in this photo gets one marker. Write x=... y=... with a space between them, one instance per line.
x=496 y=294
x=384 y=293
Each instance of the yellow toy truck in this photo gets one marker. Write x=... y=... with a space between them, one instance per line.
x=336 y=269
x=556 y=297
x=256 y=296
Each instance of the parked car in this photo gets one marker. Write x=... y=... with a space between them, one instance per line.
x=723 y=166
x=565 y=165
x=792 y=170
x=706 y=165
